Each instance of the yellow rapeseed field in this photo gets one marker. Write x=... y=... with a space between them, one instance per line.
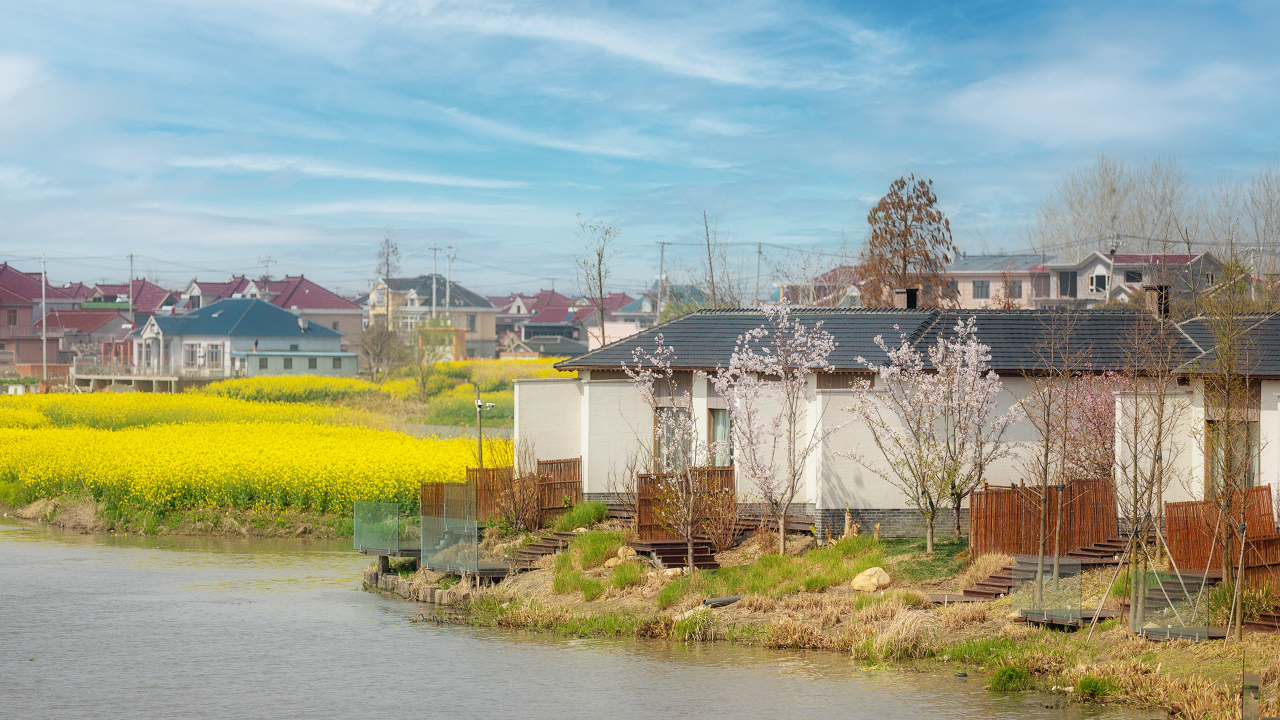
x=169 y=452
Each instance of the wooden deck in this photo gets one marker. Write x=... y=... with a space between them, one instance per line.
x=1063 y=618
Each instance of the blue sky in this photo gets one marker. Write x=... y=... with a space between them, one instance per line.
x=202 y=136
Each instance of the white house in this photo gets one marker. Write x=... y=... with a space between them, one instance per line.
x=600 y=417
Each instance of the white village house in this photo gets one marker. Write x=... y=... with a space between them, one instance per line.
x=600 y=417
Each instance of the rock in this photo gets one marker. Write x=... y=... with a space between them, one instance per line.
x=626 y=552
x=871 y=580
x=461 y=595
x=699 y=610
x=673 y=572
x=402 y=588
x=612 y=562
x=444 y=597
x=370 y=577
x=429 y=593
x=580 y=530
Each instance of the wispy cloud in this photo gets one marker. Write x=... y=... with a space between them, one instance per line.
x=1110 y=94
x=618 y=143
x=514 y=215
x=321 y=169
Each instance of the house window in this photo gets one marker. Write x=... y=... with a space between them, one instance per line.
x=288 y=363
x=1013 y=289
x=1246 y=453
x=1067 y=284
x=11 y=317
x=721 y=439
x=670 y=429
x=293 y=348
x=981 y=289
x=190 y=354
x=1132 y=276
x=337 y=363
x=335 y=324
x=1208 y=278
x=214 y=356
x=1097 y=283
x=953 y=288
x=311 y=363
x=471 y=322
x=262 y=363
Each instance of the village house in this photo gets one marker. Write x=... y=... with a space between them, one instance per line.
x=1098 y=278
x=600 y=417
x=22 y=348
x=405 y=304
x=987 y=281
x=294 y=293
x=95 y=336
x=238 y=337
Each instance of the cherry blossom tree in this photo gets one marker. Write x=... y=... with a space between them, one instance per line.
x=934 y=424
x=673 y=454
x=766 y=389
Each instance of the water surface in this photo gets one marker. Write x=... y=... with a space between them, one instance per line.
x=95 y=626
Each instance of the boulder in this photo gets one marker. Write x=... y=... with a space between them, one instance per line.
x=673 y=572
x=444 y=597
x=402 y=588
x=871 y=580
x=580 y=530
x=626 y=552
x=612 y=562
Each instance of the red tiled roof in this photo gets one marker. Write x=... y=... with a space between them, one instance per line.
x=88 y=321
x=22 y=287
x=211 y=291
x=306 y=295
x=148 y=297
x=78 y=290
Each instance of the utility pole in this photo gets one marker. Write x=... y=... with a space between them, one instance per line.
x=44 y=326
x=755 y=299
x=435 y=273
x=448 y=284
x=479 y=430
x=131 y=310
x=662 y=276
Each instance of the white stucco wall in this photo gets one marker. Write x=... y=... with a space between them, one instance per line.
x=548 y=416
x=619 y=422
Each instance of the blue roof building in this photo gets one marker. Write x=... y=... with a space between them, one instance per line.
x=239 y=338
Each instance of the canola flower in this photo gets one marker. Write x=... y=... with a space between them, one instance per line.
x=295 y=389
x=271 y=466
x=169 y=452
x=114 y=411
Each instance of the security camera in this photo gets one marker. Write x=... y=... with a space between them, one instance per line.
x=479 y=404
x=488 y=406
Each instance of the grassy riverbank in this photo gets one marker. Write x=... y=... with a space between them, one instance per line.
x=85 y=515
x=803 y=601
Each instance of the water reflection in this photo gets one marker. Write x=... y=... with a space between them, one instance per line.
x=122 y=626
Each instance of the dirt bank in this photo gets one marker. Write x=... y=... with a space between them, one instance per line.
x=87 y=516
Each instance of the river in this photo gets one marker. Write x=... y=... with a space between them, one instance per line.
x=95 y=626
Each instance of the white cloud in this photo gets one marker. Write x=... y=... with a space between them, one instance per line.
x=1109 y=95
x=321 y=169
x=514 y=215
x=620 y=143
x=17 y=73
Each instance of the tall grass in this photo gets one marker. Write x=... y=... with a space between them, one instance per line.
x=776 y=575
x=584 y=515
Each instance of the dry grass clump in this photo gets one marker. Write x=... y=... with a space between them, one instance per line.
x=1041 y=662
x=786 y=634
x=757 y=603
x=982 y=567
x=959 y=615
x=912 y=634
x=1144 y=685
x=881 y=610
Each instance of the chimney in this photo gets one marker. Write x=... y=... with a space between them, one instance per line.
x=905 y=298
x=1157 y=300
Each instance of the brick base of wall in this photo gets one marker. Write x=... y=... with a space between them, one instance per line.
x=894 y=523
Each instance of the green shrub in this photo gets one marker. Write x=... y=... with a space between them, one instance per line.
x=583 y=514
x=627 y=574
x=1092 y=688
x=592 y=549
x=1010 y=678
x=698 y=625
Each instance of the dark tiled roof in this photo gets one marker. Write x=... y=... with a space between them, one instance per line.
x=553 y=346
x=706 y=338
x=242 y=317
x=996 y=263
x=458 y=296
x=1260 y=349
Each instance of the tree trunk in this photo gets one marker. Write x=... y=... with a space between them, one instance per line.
x=689 y=554
x=1057 y=544
x=955 y=512
x=1037 y=598
x=928 y=535
x=782 y=528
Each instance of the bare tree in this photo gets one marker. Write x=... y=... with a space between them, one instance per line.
x=673 y=453
x=433 y=344
x=382 y=351
x=910 y=246
x=772 y=365
x=599 y=242
x=714 y=280
x=1230 y=438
